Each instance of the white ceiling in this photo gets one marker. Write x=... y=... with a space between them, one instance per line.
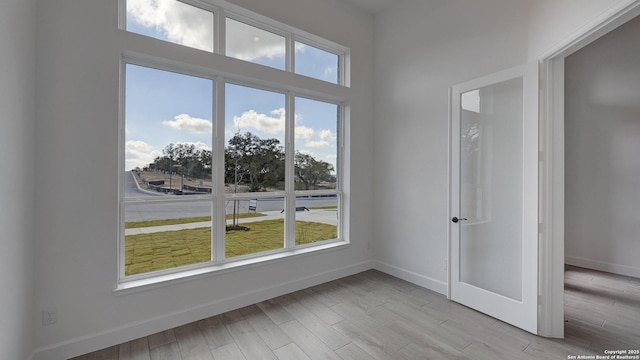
x=372 y=6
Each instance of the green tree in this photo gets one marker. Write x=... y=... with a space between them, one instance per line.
x=184 y=159
x=254 y=161
x=310 y=171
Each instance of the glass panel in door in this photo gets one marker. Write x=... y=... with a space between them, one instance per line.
x=491 y=188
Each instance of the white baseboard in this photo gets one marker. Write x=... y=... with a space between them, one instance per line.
x=412 y=277
x=603 y=266
x=96 y=341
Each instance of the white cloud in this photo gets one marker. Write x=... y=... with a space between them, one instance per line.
x=262 y=122
x=300 y=47
x=317 y=144
x=303 y=132
x=139 y=154
x=198 y=145
x=327 y=135
x=329 y=71
x=249 y=43
x=188 y=123
x=180 y=23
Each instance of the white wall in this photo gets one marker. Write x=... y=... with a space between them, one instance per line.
x=77 y=162
x=602 y=134
x=553 y=21
x=17 y=154
x=423 y=49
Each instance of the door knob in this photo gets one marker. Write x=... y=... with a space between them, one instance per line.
x=455 y=219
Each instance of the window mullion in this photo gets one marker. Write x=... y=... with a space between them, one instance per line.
x=344 y=133
x=220 y=39
x=290 y=208
x=290 y=53
x=219 y=221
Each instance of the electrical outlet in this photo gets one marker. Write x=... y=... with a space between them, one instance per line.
x=49 y=317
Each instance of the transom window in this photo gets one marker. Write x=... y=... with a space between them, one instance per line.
x=171 y=20
x=192 y=22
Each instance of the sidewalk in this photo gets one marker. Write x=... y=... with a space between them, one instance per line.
x=321 y=216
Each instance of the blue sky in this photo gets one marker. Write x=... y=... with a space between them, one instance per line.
x=164 y=107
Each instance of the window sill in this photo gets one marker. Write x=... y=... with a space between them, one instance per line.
x=134 y=286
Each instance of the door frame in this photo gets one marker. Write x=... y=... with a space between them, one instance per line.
x=552 y=163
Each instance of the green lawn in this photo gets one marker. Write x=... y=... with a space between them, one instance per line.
x=150 y=223
x=170 y=249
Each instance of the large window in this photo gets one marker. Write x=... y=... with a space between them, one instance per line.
x=219 y=168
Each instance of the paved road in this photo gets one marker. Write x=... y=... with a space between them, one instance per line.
x=131 y=188
x=142 y=212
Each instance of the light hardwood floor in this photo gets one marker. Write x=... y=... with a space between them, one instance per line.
x=372 y=315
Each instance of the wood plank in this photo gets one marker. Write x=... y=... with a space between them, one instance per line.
x=476 y=333
x=275 y=312
x=319 y=309
x=445 y=309
x=161 y=338
x=361 y=324
x=352 y=351
x=309 y=343
x=291 y=352
x=169 y=351
x=323 y=297
x=231 y=317
x=81 y=357
x=248 y=340
x=333 y=339
x=420 y=351
x=482 y=351
x=110 y=353
x=348 y=293
x=228 y=352
x=267 y=329
x=214 y=332
x=135 y=350
x=192 y=343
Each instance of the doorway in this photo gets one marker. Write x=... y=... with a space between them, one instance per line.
x=556 y=190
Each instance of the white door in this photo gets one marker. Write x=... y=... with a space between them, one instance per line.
x=494 y=195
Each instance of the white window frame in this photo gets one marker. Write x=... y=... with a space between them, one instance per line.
x=218 y=198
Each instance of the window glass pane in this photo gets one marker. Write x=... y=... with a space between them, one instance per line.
x=249 y=43
x=167 y=156
x=316 y=150
x=316 y=63
x=254 y=226
x=168 y=129
x=254 y=132
x=173 y=21
x=167 y=235
x=316 y=218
